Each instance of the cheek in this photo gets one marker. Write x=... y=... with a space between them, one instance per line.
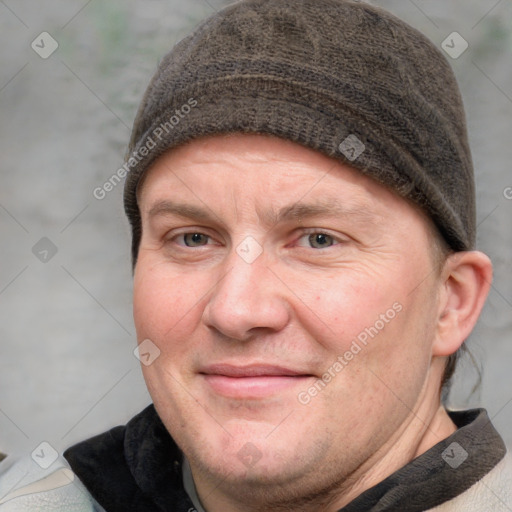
x=337 y=311
x=165 y=304
x=370 y=325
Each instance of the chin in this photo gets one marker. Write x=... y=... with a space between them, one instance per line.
x=278 y=480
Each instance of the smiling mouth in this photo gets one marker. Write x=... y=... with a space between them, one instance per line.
x=255 y=381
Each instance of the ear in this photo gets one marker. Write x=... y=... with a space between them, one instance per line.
x=465 y=283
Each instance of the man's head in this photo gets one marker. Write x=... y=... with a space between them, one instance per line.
x=302 y=204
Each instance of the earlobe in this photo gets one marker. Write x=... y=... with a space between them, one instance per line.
x=466 y=281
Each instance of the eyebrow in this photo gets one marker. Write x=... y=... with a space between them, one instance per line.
x=296 y=211
x=167 y=208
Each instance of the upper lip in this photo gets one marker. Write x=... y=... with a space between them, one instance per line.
x=252 y=370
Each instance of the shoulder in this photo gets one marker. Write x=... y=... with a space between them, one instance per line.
x=492 y=493
x=106 y=463
x=130 y=467
x=24 y=487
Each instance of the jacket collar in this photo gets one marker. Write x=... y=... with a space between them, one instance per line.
x=440 y=474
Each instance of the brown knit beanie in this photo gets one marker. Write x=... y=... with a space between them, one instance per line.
x=341 y=77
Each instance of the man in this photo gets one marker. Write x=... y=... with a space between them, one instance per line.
x=300 y=190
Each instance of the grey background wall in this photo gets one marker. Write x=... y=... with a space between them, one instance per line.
x=67 y=369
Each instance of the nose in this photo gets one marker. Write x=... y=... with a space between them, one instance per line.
x=249 y=299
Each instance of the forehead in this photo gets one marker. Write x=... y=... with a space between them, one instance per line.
x=265 y=170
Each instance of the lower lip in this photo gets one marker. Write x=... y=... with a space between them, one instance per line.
x=253 y=387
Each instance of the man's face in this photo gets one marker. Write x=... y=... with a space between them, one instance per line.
x=293 y=302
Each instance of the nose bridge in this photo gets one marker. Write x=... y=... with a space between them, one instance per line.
x=248 y=296
x=241 y=283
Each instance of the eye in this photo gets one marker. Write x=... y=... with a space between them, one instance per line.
x=192 y=239
x=317 y=240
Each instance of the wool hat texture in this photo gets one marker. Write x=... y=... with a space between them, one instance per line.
x=344 y=78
